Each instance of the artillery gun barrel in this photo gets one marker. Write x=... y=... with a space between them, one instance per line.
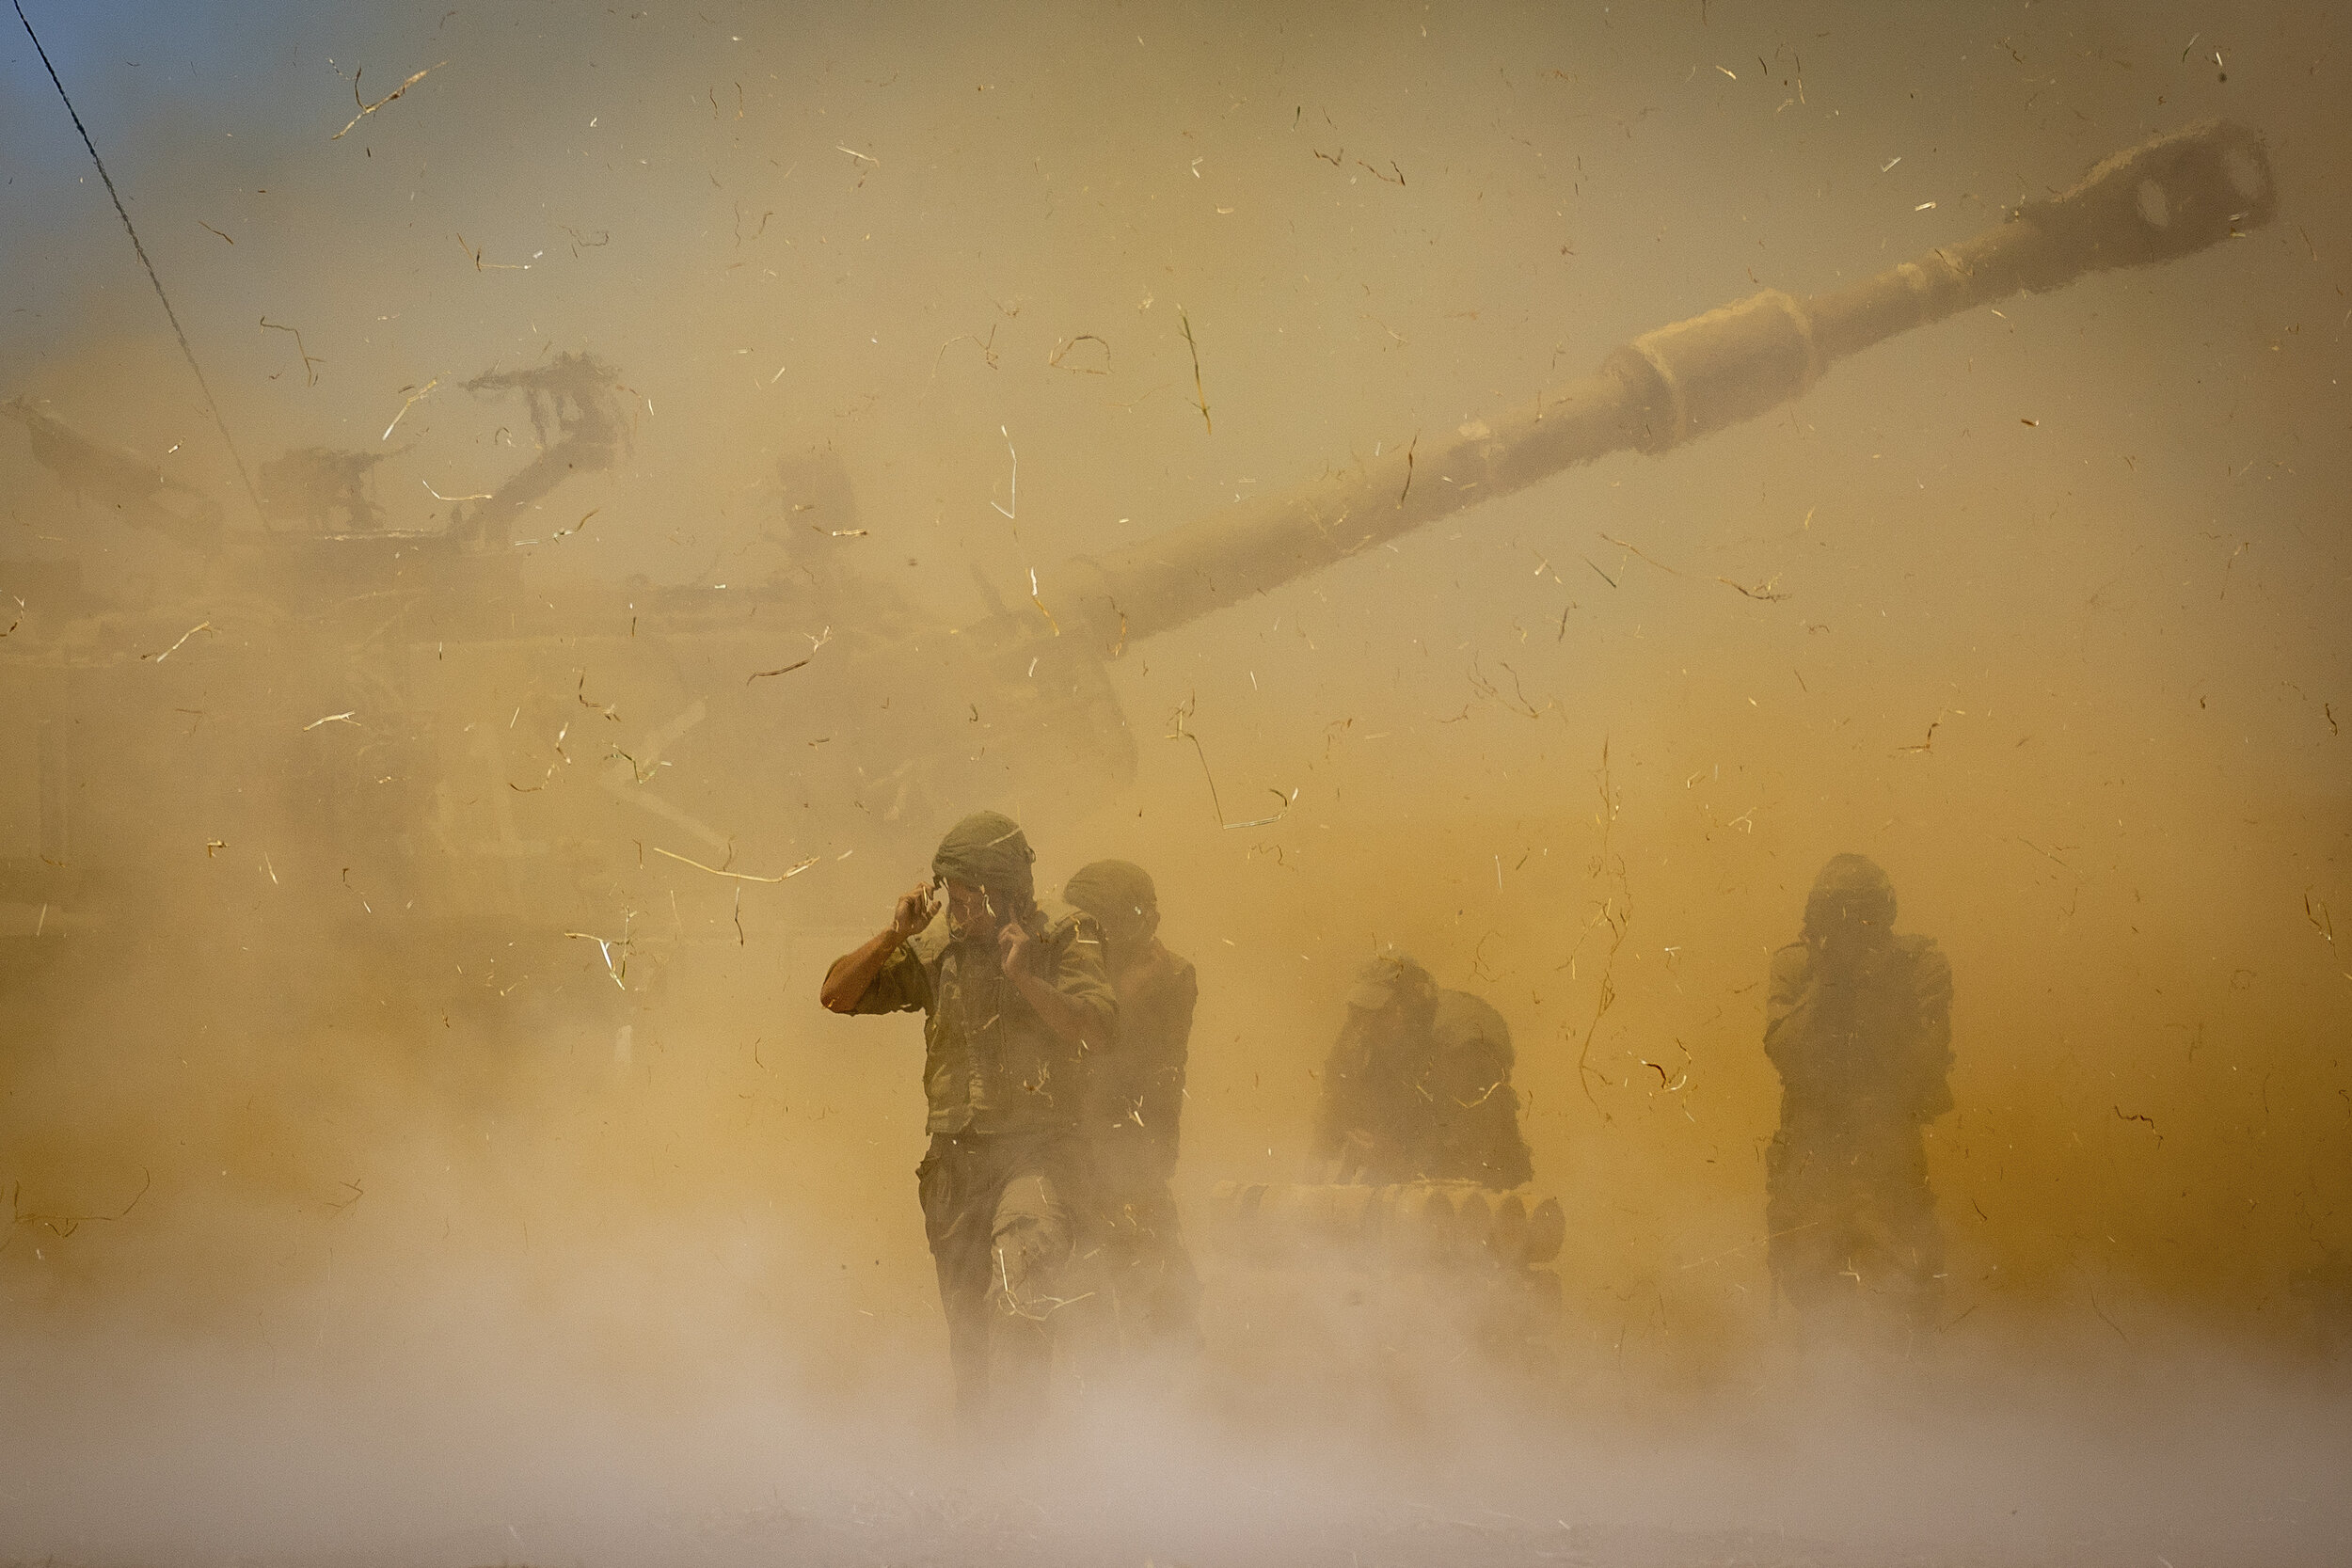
x=2167 y=198
x=135 y=490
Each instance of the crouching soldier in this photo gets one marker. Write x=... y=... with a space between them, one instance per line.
x=1013 y=997
x=1418 y=1087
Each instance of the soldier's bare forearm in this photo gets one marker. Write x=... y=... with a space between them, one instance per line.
x=852 y=975
x=853 y=972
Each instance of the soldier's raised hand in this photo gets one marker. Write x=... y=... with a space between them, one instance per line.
x=1012 y=947
x=1356 y=1157
x=916 y=909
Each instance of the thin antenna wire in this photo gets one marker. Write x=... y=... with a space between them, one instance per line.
x=211 y=407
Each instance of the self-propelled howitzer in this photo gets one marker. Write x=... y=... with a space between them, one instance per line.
x=2164 y=200
x=459 y=771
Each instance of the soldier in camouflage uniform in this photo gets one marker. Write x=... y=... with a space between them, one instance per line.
x=1134 y=1103
x=1859 y=1023
x=312 y=486
x=1014 y=998
x=822 y=542
x=1418 y=1088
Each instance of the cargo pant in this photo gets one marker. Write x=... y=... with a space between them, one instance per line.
x=1853 y=1227
x=1155 y=1295
x=999 y=1220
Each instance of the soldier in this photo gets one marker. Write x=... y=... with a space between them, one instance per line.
x=821 y=578
x=1418 y=1088
x=1860 y=1026
x=819 y=509
x=1013 y=999
x=1134 y=1102
x=313 y=484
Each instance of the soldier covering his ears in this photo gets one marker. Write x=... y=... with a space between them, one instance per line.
x=1013 y=997
x=1859 y=1023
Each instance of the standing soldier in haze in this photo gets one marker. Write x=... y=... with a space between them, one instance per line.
x=1013 y=999
x=313 y=485
x=1860 y=1026
x=821 y=537
x=1419 y=1086
x=1135 y=1099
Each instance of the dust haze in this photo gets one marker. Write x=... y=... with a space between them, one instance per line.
x=421 y=1138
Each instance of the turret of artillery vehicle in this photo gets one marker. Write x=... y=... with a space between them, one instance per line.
x=479 y=779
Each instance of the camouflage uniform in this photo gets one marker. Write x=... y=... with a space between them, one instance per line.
x=1859 y=1025
x=1134 y=1108
x=1419 y=1086
x=1005 y=1094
